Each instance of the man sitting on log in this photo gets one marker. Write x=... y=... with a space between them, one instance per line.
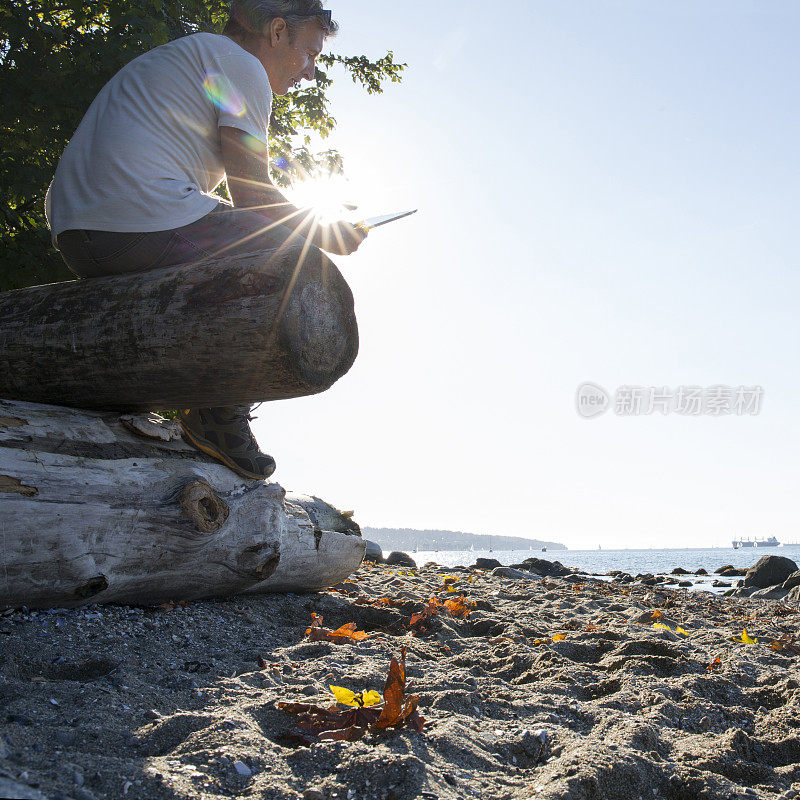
x=133 y=189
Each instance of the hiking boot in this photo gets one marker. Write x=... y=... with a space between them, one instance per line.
x=225 y=434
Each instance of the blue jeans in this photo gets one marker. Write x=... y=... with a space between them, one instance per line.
x=225 y=231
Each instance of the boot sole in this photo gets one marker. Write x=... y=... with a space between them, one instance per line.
x=209 y=449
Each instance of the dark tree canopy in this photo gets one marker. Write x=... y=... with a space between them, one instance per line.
x=55 y=56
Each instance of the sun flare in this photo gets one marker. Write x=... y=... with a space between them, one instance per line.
x=330 y=198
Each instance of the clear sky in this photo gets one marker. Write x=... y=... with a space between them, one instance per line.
x=607 y=192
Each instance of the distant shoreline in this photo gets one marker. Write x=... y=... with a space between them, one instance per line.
x=407 y=539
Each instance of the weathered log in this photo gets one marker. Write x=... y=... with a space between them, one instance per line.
x=100 y=508
x=262 y=326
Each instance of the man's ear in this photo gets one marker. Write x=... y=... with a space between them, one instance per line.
x=277 y=31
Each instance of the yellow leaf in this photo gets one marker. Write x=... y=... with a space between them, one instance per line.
x=746 y=639
x=348 y=698
x=559 y=637
x=370 y=698
x=660 y=626
x=657 y=614
x=343 y=695
x=681 y=630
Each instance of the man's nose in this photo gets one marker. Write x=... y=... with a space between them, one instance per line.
x=309 y=73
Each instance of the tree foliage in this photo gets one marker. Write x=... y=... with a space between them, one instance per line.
x=55 y=56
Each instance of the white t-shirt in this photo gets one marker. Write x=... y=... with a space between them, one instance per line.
x=147 y=154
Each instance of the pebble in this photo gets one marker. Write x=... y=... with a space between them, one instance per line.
x=704 y=724
x=313 y=794
x=242 y=769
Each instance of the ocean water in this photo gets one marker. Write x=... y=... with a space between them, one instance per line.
x=632 y=561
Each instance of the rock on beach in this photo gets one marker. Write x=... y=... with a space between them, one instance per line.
x=769 y=571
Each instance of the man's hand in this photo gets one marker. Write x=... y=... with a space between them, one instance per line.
x=340 y=238
x=246 y=164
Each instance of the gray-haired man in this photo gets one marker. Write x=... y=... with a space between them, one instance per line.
x=132 y=190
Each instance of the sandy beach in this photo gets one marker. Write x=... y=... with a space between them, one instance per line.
x=547 y=688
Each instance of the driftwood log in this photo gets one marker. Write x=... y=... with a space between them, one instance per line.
x=97 y=507
x=227 y=332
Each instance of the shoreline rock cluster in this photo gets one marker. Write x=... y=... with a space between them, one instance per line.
x=772 y=577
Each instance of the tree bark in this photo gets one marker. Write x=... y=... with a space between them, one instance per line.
x=232 y=331
x=100 y=508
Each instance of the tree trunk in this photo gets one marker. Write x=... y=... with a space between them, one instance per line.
x=100 y=508
x=227 y=332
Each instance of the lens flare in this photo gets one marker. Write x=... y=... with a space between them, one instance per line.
x=220 y=92
x=326 y=196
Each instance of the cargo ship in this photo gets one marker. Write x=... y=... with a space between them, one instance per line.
x=770 y=542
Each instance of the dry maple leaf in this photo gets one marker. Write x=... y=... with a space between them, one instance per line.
x=457 y=607
x=717 y=662
x=344 y=633
x=417 y=622
x=785 y=645
x=397 y=708
x=333 y=723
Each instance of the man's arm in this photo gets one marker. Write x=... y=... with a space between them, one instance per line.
x=246 y=162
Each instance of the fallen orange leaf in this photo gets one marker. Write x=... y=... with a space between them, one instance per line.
x=346 y=632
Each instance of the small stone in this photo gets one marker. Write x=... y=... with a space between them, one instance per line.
x=242 y=769
x=704 y=724
x=313 y=794
x=77 y=778
x=309 y=691
x=83 y=794
x=152 y=714
x=450 y=778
